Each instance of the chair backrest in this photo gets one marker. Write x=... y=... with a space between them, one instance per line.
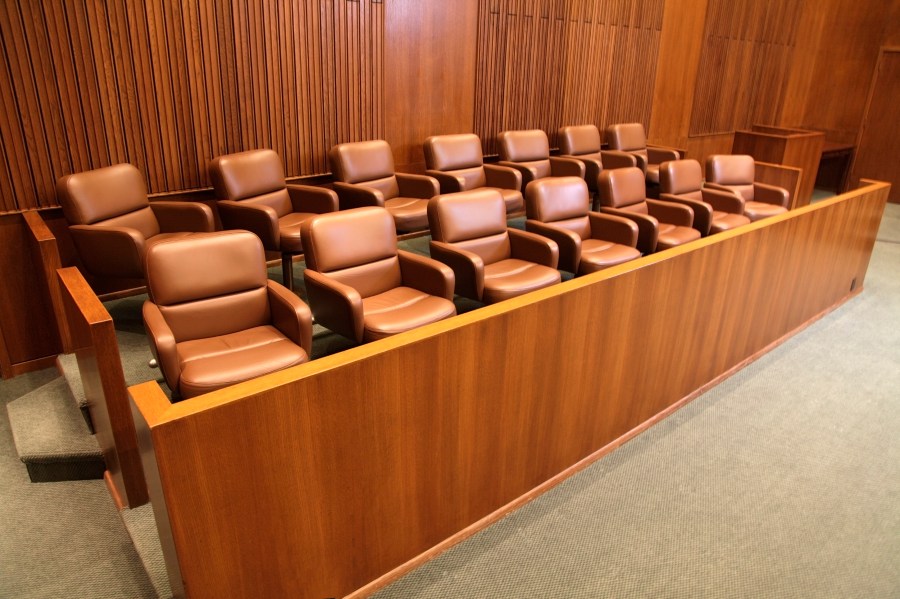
x=368 y=163
x=531 y=148
x=580 y=140
x=209 y=284
x=472 y=220
x=736 y=171
x=561 y=201
x=623 y=188
x=682 y=178
x=254 y=177
x=356 y=247
x=113 y=196
x=459 y=154
x=628 y=137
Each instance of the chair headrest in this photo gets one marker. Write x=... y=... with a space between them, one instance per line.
x=467 y=215
x=626 y=136
x=361 y=161
x=247 y=174
x=730 y=169
x=680 y=176
x=579 y=139
x=348 y=238
x=452 y=152
x=622 y=187
x=100 y=194
x=556 y=198
x=524 y=146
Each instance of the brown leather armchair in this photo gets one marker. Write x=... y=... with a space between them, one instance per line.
x=583 y=143
x=529 y=153
x=213 y=318
x=661 y=225
x=112 y=222
x=361 y=286
x=630 y=137
x=364 y=176
x=681 y=181
x=491 y=263
x=557 y=209
x=254 y=196
x=457 y=162
x=735 y=173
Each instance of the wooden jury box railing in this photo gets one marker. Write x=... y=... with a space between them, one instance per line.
x=334 y=477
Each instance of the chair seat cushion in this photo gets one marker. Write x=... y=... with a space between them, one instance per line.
x=289 y=231
x=759 y=210
x=597 y=254
x=216 y=362
x=724 y=221
x=401 y=309
x=512 y=199
x=653 y=173
x=511 y=277
x=410 y=214
x=674 y=235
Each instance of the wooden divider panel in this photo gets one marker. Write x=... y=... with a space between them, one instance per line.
x=317 y=480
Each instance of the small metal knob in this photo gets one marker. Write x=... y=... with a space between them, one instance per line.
x=153 y=363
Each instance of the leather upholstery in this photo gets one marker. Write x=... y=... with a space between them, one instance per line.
x=214 y=319
x=736 y=173
x=459 y=157
x=558 y=208
x=491 y=262
x=112 y=222
x=682 y=181
x=529 y=153
x=631 y=138
x=364 y=172
x=361 y=286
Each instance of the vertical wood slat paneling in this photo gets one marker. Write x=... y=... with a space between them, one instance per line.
x=543 y=64
x=747 y=55
x=168 y=86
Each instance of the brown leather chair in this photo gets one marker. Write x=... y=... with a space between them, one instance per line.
x=457 y=162
x=112 y=223
x=681 y=181
x=735 y=173
x=529 y=153
x=583 y=143
x=364 y=176
x=557 y=209
x=213 y=318
x=491 y=263
x=661 y=225
x=254 y=196
x=630 y=137
x=361 y=286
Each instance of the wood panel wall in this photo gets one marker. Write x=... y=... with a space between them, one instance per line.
x=169 y=85
x=543 y=64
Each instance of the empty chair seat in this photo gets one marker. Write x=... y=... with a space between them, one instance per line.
x=491 y=263
x=361 y=286
x=557 y=208
x=630 y=137
x=735 y=173
x=529 y=153
x=457 y=162
x=681 y=181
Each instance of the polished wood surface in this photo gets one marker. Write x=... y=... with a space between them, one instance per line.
x=100 y=367
x=790 y=147
x=788 y=177
x=44 y=243
x=317 y=480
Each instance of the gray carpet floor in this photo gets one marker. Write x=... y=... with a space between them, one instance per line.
x=783 y=481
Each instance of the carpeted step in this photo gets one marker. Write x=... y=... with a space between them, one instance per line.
x=67 y=364
x=141 y=527
x=51 y=438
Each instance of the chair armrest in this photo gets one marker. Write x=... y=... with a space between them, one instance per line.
x=702 y=211
x=532 y=247
x=110 y=251
x=357 y=196
x=569 y=243
x=528 y=173
x=337 y=306
x=566 y=167
x=723 y=201
x=673 y=214
x=426 y=274
x=308 y=198
x=467 y=267
x=592 y=169
x=176 y=217
x=617 y=159
x=260 y=220
x=719 y=187
x=448 y=182
x=771 y=194
x=659 y=154
x=502 y=177
x=613 y=228
x=417 y=186
x=290 y=315
x=648 y=227
x=162 y=344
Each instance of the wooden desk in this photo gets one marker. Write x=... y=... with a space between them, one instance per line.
x=834 y=166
